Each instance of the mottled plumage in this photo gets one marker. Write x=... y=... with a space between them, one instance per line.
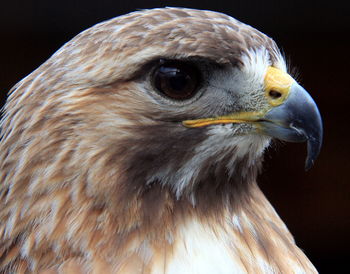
x=100 y=175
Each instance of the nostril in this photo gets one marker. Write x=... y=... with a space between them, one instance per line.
x=275 y=94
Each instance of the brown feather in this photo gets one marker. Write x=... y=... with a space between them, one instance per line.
x=80 y=140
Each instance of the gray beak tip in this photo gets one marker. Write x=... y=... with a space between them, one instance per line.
x=309 y=164
x=313 y=150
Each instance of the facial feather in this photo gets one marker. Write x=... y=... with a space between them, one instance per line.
x=98 y=174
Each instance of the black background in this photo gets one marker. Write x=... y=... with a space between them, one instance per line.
x=315 y=38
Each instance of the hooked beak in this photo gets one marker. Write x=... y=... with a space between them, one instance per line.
x=296 y=120
x=293 y=116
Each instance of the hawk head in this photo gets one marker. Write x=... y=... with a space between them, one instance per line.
x=138 y=124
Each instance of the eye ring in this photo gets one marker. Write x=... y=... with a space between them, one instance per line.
x=176 y=80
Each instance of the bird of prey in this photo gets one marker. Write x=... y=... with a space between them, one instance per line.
x=135 y=149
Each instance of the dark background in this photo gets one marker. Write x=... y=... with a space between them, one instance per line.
x=315 y=38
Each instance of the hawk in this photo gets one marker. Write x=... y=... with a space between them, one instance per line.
x=135 y=149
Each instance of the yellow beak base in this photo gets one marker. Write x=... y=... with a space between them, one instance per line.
x=277 y=85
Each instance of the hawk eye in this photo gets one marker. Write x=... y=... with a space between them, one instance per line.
x=176 y=80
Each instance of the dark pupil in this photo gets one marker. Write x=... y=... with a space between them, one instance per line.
x=176 y=82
